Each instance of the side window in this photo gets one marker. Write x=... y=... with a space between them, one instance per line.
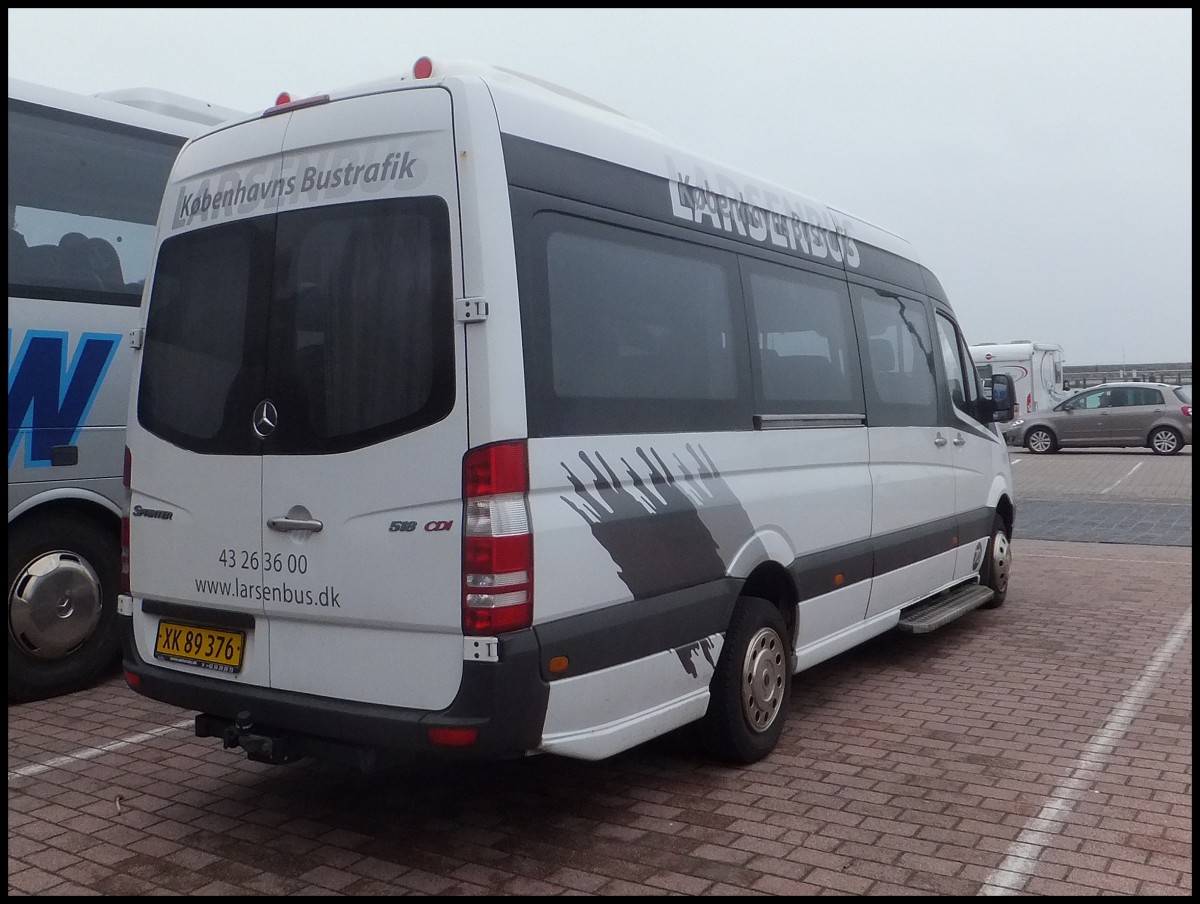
x=1144 y=395
x=83 y=198
x=1092 y=400
x=804 y=347
x=899 y=380
x=641 y=333
x=960 y=373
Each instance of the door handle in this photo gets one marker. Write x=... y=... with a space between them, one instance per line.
x=959 y=441
x=290 y=524
x=940 y=441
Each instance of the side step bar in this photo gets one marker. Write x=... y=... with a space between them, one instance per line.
x=932 y=614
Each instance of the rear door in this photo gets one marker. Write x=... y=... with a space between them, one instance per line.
x=371 y=431
x=345 y=414
x=1133 y=410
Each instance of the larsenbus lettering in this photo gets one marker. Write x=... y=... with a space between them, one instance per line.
x=747 y=220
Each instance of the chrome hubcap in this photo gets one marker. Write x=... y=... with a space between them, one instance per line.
x=763 y=675
x=1039 y=442
x=1001 y=561
x=54 y=605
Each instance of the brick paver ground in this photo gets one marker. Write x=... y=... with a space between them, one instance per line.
x=1042 y=748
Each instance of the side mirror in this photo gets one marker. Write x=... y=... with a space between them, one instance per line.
x=1000 y=403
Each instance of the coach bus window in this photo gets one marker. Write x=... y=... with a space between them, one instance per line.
x=84 y=195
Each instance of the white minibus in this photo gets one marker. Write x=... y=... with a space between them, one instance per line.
x=85 y=182
x=472 y=418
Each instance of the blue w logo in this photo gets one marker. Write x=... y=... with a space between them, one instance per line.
x=49 y=400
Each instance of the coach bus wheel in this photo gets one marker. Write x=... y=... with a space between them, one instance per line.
x=997 y=563
x=62 y=597
x=751 y=685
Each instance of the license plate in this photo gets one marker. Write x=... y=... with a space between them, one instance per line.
x=210 y=648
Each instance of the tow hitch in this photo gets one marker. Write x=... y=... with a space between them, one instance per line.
x=259 y=746
x=264 y=744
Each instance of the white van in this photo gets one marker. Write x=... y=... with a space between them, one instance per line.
x=474 y=418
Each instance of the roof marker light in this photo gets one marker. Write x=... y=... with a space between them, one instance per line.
x=423 y=67
x=283 y=98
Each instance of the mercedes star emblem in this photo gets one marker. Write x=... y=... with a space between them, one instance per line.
x=265 y=418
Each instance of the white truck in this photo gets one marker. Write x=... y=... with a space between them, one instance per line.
x=1036 y=369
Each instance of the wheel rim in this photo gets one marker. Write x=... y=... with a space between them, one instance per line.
x=1001 y=561
x=764 y=673
x=1039 y=441
x=1165 y=441
x=54 y=605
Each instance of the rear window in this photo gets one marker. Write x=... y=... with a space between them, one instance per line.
x=1184 y=394
x=341 y=316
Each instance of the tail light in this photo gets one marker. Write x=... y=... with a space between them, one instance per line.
x=1187 y=410
x=126 y=479
x=497 y=542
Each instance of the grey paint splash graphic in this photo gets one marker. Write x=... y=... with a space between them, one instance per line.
x=688 y=653
x=664 y=532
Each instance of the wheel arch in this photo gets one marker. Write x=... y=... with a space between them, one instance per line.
x=52 y=505
x=771 y=581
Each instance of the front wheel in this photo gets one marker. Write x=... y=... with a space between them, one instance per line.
x=62 y=605
x=1040 y=440
x=751 y=685
x=1165 y=441
x=997 y=563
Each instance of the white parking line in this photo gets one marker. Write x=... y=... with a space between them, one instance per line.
x=90 y=753
x=1114 y=486
x=1021 y=858
x=1108 y=559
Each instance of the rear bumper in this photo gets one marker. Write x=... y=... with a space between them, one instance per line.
x=505 y=702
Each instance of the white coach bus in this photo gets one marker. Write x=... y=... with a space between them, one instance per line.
x=85 y=182
x=527 y=431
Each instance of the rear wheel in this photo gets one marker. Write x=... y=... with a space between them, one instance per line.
x=1165 y=441
x=62 y=605
x=1041 y=439
x=751 y=685
x=997 y=563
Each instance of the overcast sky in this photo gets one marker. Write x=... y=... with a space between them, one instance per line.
x=1040 y=161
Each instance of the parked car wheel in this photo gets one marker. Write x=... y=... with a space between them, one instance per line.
x=1041 y=439
x=997 y=563
x=1165 y=441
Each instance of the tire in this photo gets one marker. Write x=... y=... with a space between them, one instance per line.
x=1165 y=441
x=751 y=686
x=997 y=564
x=63 y=572
x=1041 y=440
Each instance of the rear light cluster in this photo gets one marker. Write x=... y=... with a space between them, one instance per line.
x=126 y=479
x=497 y=543
x=1187 y=410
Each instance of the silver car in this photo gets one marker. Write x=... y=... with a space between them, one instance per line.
x=1157 y=415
